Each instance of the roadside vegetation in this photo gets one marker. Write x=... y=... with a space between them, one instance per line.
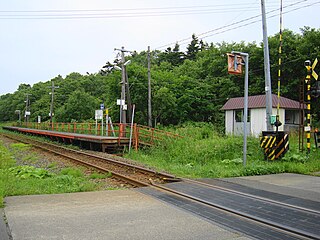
x=19 y=174
x=203 y=153
x=187 y=85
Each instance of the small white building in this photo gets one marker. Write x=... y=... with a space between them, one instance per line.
x=288 y=114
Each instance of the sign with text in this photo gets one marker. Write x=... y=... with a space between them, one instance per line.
x=98 y=114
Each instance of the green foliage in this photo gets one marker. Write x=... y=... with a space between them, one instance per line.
x=52 y=165
x=19 y=146
x=295 y=157
x=203 y=153
x=186 y=86
x=24 y=180
x=72 y=172
x=24 y=172
x=100 y=176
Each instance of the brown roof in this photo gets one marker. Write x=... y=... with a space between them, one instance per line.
x=259 y=101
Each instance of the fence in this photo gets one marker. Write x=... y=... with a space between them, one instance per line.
x=141 y=135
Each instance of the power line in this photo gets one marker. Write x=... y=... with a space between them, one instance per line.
x=125 y=13
x=236 y=26
x=125 y=9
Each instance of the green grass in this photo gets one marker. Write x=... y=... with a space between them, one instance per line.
x=204 y=154
x=100 y=175
x=27 y=180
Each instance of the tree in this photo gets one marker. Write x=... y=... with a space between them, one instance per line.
x=80 y=106
x=193 y=48
x=164 y=105
x=172 y=56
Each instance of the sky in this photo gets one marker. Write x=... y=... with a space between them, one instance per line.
x=41 y=39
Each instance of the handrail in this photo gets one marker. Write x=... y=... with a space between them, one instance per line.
x=141 y=134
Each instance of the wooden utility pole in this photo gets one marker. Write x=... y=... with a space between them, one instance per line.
x=27 y=111
x=123 y=84
x=52 y=101
x=123 y=106
x=149 y=91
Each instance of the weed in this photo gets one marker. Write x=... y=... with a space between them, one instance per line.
x=73 y=172
x=52 y=165
x=19 y=147
x=26 y=180
x=31 y=157
x=202 y=153
x=29 y=172
x=100 y=176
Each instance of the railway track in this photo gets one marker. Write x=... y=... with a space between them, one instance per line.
x=133 y=175
x=276 y=219
x=264 y=215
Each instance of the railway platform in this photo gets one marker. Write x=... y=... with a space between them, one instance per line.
x=86 y=141
x=111 y=139
x=146 y=214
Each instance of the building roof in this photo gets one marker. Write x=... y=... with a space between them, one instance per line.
x=259 y=101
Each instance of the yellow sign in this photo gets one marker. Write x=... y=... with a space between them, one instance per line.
x=107 y=111
x=314 y=74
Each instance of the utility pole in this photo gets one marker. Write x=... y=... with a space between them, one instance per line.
x=149 y=91
x=128 y=97
x=27 y=111
x=52 y=99
x=266 y=68
x=123 y=84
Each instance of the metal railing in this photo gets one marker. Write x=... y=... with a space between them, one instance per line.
x=141 y=135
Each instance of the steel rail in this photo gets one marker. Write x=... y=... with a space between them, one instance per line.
x=265 y=222
x=277 y=226
x=131 y=181
x=142 y=169
x=251 y=196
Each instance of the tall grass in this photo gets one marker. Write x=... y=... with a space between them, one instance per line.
x=203 y=153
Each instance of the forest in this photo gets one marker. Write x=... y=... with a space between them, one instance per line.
x=186 y=86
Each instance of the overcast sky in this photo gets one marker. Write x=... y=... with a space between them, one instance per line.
x=43 y=38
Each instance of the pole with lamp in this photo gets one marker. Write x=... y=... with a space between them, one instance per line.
x=123 y=106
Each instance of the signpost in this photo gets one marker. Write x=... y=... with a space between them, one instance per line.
x=235 y=60
x=19 y=114
x=98 y=116
x=107 y=122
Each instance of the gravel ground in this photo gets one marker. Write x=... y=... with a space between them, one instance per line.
x=32 y=156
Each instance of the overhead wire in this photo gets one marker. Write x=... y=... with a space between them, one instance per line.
x=235 y=25
x=124 y=13
x=126 y=9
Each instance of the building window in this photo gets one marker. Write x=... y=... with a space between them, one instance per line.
x=291 y=117
x=238 y=116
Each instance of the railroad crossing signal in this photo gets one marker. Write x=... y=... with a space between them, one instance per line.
x=314 y=74
x=310 y=72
